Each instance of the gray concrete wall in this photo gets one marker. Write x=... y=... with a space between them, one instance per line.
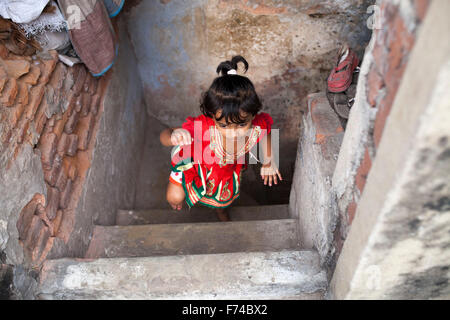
x=311 y=199
x=397 y=246
x=290 y=45
x=111 y=180
x=357 y=138
x=18 y=185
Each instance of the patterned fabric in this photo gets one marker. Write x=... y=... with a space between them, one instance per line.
x=113 y=7
x=213 y=182
x=176 y=178
x=53 y=22
x=91 y=33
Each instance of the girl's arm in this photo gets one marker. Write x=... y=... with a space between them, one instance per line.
x=269 y=170
x=175 y=136
x=267 y=148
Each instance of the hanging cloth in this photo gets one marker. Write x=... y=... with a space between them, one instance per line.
x=91 y=33
x=22 y=11
x=114 y=7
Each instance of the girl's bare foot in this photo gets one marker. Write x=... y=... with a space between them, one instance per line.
x=176 y=206
x=222 y=215
x=175 y=196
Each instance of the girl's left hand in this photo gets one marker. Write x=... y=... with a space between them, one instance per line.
x=269 y=173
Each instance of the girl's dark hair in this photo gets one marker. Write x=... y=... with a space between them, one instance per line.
x=230 y=93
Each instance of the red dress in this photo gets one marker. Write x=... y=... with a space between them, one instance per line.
x=209 y=175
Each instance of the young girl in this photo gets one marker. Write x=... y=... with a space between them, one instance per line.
x=211 y=148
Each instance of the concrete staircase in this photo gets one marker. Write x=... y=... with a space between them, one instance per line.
x=163 y=254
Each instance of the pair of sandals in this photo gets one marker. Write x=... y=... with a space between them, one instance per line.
x=341 y=76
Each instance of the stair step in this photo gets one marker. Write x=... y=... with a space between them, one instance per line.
x=192 y=238
x=199 y=214
x=258 y=275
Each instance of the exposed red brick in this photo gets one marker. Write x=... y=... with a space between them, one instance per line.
x=95 y=103
x=41 y=213
x=32 y=76
x=393 y=78
x=51 y=176
x=61 y=181
x=22 y=95
x=71 y=123
x=84 y=131
x=48 y=149
x=86 y=104
x=9 y=93
x=374 y=85
x=363 y=171
x=23 y=131
x=65 y=195
x=72 y=145
x=60 y=124
x=88 y=83
x=40 y=117
x=62 y=144
x=36 y=95
x=93 y=86
x=25 y=218
x=380 y=52
x=6 y=136
x=79 y=78
x=41 y=243
x=49 y=124
x=3 y=82
x=400 y=42
x=67 y=224
x=53 y=198
x=47 y=67
x=380 y=122
x=71 y=100
x=44 y=251
x=351 y=210
x=421 y=8
x=70 y=168
x=33 y=233
x=320 y=138
x=16 y=68
x=57 y=222
x=58 y=76
x=16 y=114
x=79 y=103
x=3 y=51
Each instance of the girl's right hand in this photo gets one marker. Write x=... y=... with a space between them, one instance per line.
x=180 y=137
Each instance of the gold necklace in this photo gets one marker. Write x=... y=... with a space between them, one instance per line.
x=230 y=157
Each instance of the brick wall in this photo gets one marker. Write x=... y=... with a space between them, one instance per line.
x=392 y=44
x=55 y=109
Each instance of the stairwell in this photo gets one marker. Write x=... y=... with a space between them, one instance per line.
x=159 y=253
x=267 y=251
x=88 y=219
x=255 y=256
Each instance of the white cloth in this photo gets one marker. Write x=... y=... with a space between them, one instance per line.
x=177 y=177
x=53 y=40
x=53 y=22
x=22 y=11
x=232 y=71
x=344 y=56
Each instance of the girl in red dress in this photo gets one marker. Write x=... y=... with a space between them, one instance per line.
x=210 y=149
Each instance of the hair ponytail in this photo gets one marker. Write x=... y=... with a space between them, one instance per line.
x=226 y=66
x=232 y=94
